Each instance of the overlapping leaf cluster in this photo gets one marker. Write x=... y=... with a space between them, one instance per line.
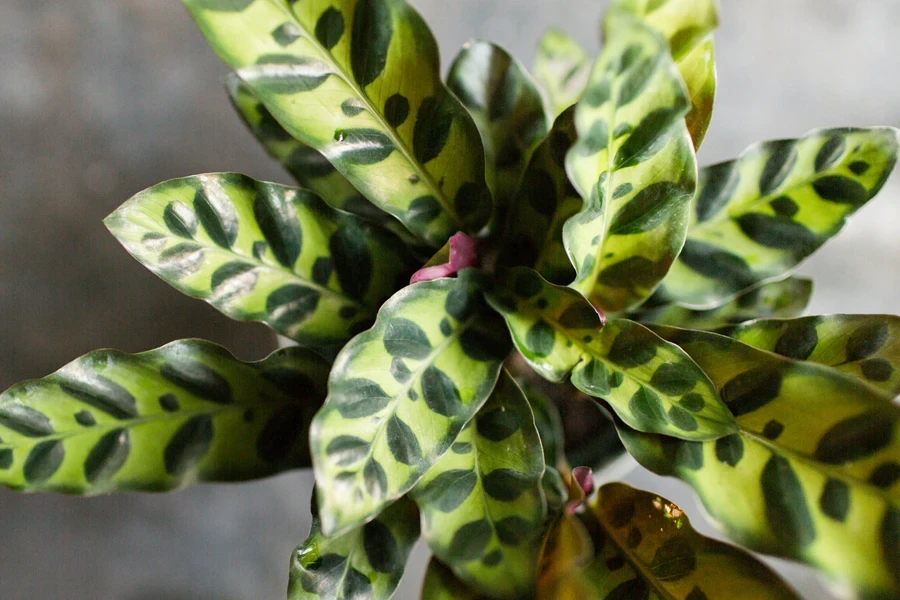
x=606 y=258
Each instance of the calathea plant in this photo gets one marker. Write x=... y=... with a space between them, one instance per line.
x=555 y=228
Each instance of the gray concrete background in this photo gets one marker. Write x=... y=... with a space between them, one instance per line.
x=101 y=99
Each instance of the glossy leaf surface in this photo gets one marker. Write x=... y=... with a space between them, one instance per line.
x=562 y=69
x=778 y=299
x=645 y=547
x=545 y=202
x=158 y=420
x=634 y=166
x=687 y=25
x=755 y=218
x=507 y=108
x=264 y=252
x=364 y=563
x=359 y=81
x=651 y=384
x=481 y=502
x=400 y=393
x=813 y=474
x=866 y=347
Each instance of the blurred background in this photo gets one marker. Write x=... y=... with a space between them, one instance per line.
x=100 y=99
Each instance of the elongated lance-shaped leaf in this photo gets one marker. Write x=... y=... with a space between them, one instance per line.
x=778 y=299
x=562 y=69
x=441 y=584
x=158 y=420
x=651 y=384
x=634 y=166
x=687 y=25
x=264 y=252
x=482 y=503
x=755 y=218
x=866 y=347
x=546 y=200
x=400 y=393
x=813 y=474
x=364 y=563
x=645 y=547
x=507 y=107
x=359 y=81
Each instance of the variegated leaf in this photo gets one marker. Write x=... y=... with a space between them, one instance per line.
x=813 y=474
x=508 y=110
x=546 y=200
x=398 y=135
x=441 y=584
x=778 y=299
x=634 y=166
x=651 y=384
x=562 y=69
x=400 y=393
x=755 y=218
x=567 y=549
x=159 y=420
x=264 y=252
x=365 y=563
x=866 y=347
x=309 y=167
x=688 y=27
x=645 y=547
x=482 y=502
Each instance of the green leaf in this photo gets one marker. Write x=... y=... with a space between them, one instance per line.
x=548 y=423
x=441 y=584
x=482 y=503
x=546 y=200
x=400 y=393
x=687 y=25
x=562 y=69
x=359 y=81
x=634 y=166
x=866 y=347
x=158 y=420
x=813 y=474
x=508 y=110
x=366 y=562
x=780 y=299
x=651 y=384
x=756 y=218
x=264 y=252
x=645 y=547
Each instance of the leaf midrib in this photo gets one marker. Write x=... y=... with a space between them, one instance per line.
x=818 y=467
x=398 y=143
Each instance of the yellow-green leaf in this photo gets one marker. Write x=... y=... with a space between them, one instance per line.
x=814 y=472
x=264 y=252
x=651 y=384
x=546 y=200
x=400 y=393
x=508 y=110
x=159 y=420
x=688 y=27
x=778 y=299
x=634 y=166
x=482 y=502
x=359 y=81
x=866 y=347
x=562 y=68
x=756 y=218
x=364 y=563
